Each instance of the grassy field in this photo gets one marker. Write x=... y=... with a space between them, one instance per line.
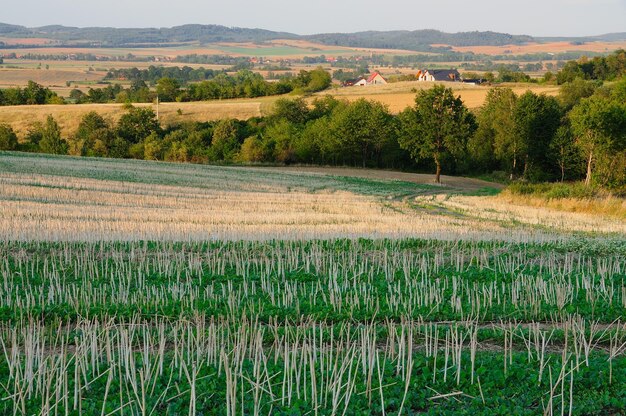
x=132 y=287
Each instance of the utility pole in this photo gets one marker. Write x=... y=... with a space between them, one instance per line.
x=157 y=108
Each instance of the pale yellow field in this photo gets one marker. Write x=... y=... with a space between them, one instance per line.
x=10 y=77
x=550 y=47
x=64 y=198
x=397 y=96
x=68 y=116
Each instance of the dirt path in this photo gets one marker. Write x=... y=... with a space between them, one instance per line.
x=454 y=182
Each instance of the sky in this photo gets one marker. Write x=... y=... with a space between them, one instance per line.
x=530 y=17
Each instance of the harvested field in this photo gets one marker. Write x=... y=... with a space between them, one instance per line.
x=550 y=47
x=399 y=95
x=131 y=287
x=68 y=116
x=273 y=49
x=173 y=201
x=47 y=77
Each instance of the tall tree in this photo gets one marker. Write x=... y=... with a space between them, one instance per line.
x=93 y=137
x=167 y=89
x=137 y=124
x=564 y=152
x=599 y=125
x=295 y=111
x=438 y=126
x=494 y=138
x=51 y=141
x=225 y=142
x=363 y=129
x=537 y=118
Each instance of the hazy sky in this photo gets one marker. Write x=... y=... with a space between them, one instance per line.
x=532 y=17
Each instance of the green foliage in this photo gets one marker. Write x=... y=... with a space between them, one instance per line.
x=167 y=89
x=225 y=142
x=507 y=75
x=437 y=127
x=572 y=92
x=137 y=124
x=599 y=68
x=495 y=139
x=50 y=140
x=362 y=129
x=94 y=136
x=599 y=125
x=536 y=118
x=32 y=94
x=575 y=190
x=294 y=111
x=8 y=138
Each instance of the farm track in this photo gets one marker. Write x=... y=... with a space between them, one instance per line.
x=448 y=183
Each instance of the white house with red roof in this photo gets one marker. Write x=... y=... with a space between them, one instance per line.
x=373 y=79
x=376 y=79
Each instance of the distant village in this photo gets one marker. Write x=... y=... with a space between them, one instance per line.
x=441 y=75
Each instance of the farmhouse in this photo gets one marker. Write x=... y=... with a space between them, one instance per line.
x=373 y=79
x=439 y=75
x=357 y=82
x=376 y=79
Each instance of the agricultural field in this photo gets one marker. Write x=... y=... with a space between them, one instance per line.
x=399 y=95
x=396 y=96
x=133 y=287
x=55 y=78
x=69 y=116
x=56 y=74
x=549 y=47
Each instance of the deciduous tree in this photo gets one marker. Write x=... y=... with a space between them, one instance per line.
x=439 y=125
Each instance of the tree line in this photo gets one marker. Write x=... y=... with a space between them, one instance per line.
x=32 y=94
x=603 y=68
x=579 y=135
x=154 y=73
x=243 y=84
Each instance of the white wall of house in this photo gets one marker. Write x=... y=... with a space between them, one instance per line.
x=426 y=76
x=378 y=80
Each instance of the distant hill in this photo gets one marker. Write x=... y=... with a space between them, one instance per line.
x=109 y=36
x=418 y=40
x=609 y=37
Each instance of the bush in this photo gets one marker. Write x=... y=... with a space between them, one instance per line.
x=8 y=138
x=576 y=190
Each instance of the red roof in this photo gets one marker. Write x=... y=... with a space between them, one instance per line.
x=374 y=75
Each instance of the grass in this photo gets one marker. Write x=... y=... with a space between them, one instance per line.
x=573 y=197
